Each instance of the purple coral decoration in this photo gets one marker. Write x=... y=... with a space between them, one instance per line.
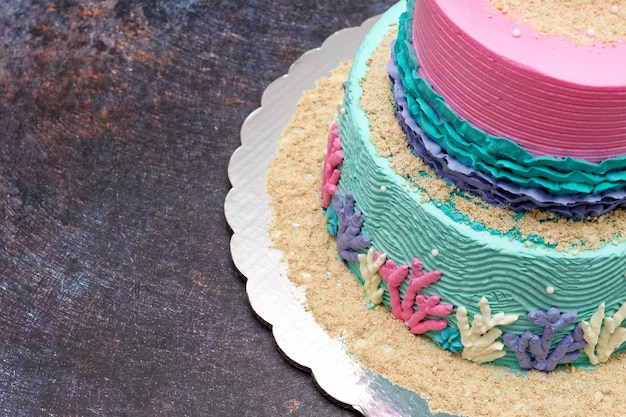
x=349 y=238
x=529 y=343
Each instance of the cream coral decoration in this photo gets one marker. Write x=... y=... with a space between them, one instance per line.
x=604 y=334
x=368 y=266
x=479 y=341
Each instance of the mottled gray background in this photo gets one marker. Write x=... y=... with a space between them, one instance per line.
x=118 y=296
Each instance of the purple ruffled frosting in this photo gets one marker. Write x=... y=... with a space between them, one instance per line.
x=495 y=191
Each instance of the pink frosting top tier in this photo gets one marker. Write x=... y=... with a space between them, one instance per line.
x=547 y=94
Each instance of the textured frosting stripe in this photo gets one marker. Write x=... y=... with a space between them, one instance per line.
x=497 y=192
x=509 y=98
x=513 y=277
x=498 y=157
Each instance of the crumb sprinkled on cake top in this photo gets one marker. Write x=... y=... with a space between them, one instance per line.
x=583 y=21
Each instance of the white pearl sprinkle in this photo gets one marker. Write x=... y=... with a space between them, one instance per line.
x=517 y=32
x=591 y=32
x=342 y=110
x=550 y=290
x=383 y=188
x=434 y=252
x=614 y=8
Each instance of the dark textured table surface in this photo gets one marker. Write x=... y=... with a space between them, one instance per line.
x=118 y=296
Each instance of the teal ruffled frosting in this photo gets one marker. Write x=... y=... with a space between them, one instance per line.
x=498 y=157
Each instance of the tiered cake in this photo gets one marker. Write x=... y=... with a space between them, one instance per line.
x=500 y=235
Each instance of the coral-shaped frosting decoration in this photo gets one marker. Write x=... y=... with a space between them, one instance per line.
x=480 y=340
x=533 y=351
x=604 y=334
x=369 y=272
x=349 y=238
x=330 y=173
x=402 y=309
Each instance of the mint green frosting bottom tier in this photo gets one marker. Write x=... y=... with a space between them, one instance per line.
x=514 y=278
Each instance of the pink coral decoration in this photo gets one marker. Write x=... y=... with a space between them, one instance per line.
x=402 y=309
x=330 y=173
